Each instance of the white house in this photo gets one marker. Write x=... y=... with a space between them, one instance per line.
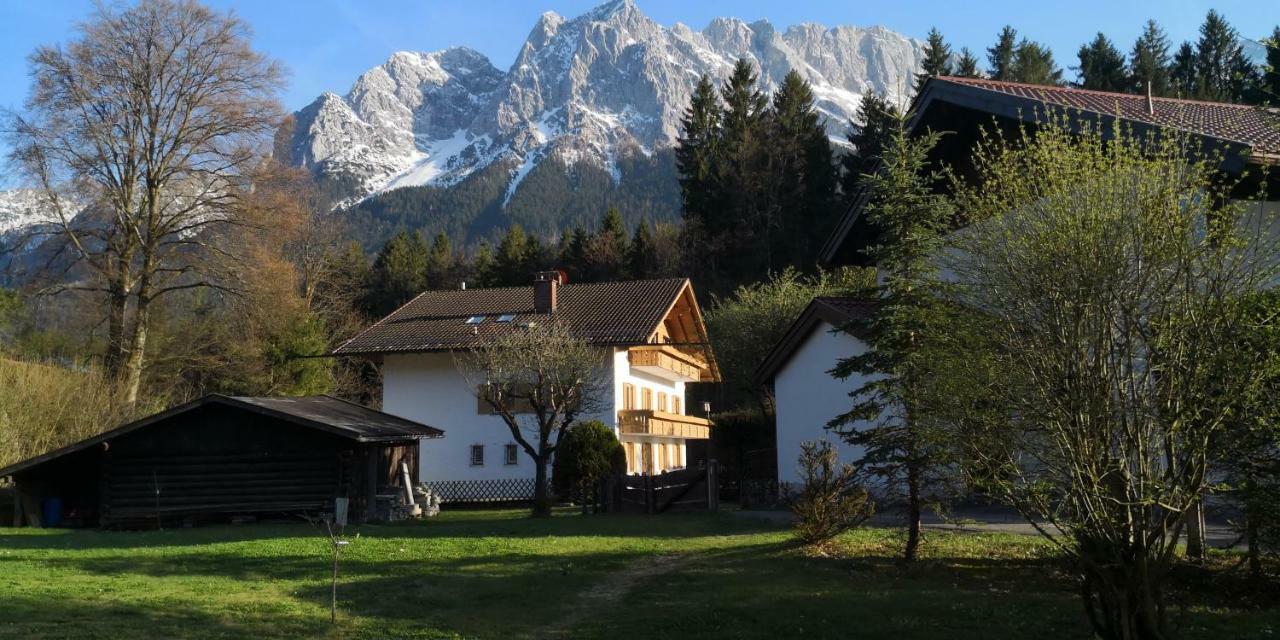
x=806 y=396
x=650 y=331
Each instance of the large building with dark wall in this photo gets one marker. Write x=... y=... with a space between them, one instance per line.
x=222 y=457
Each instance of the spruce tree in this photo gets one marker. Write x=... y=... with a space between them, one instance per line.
x=1183 y=77
x=511 y=264
x=967 y=64
x=573 y=257
x=937 y=59
x=742 y=176
x=1033 y=64
x=1223 y=71
x=891 y=419
x=878 y=118
x=1001 y=56
x=1101 y=65
x=441 y=263
x=640 y=255
x=399 y=273
x=1149 y=61
x=483 y=267
x=802 y=177
x=1270 y=83
x=697 y=152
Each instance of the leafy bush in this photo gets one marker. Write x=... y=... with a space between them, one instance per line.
x=830 y=501
x=588 y=453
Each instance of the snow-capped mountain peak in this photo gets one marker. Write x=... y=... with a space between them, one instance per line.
x=586 y=89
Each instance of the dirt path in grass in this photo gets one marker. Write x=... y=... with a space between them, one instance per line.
x=611 y=590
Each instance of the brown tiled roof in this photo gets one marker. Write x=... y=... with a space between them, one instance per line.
x=614 y=313
x=1254 y=127
x=838 y=312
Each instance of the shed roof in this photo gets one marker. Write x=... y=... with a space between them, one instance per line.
x=607 y=313
x=838 y=312
x=324 y=413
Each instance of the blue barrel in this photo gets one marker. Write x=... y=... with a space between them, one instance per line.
x=52 y=512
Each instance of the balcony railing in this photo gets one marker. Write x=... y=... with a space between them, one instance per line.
x=645 y=422
x=667 y=362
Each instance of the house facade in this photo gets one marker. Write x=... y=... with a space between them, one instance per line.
x=806 y=396
x=652 y=343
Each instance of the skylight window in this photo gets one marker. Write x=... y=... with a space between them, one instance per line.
x=506 y=317
x=475 y=319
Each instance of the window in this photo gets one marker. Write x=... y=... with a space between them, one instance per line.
x=646 y=398
x=675 y=405
x=510 y=454
x=475 y=319
x=477 y=455
x=506 y=317
x=628 y=396
x=662 y=401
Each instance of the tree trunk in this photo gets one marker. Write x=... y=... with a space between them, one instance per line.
x=541 y=495
x=137 y=350
x=913 y=513
x=1252 y=524
x=117 y=305
x=1195 y=531
x=1123 y=603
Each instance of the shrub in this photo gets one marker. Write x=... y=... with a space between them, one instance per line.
x=830 y=500
x=588 y=453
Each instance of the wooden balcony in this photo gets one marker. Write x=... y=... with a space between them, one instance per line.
x=668 y=362
x=645 y=422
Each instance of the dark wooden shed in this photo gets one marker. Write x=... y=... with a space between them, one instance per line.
x=221 y=457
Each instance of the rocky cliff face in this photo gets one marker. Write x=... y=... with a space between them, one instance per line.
x=594 y=88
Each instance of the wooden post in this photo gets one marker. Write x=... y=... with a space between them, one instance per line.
x=17 y=506
x=713 y=488
x=371 y=483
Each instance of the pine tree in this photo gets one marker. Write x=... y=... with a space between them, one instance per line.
x=890 y=419
x=511 y=264
x=399 y=273
x=1001 y=56
x=697 y=151
x=441 y=263
x=1183 y=77
x=1033 y=64
x=640 y=255
x=1101 y=65
x=801 y=197
x=1270 y=82
x=937 y=59
x=1149 y=61
x=967 y=64
x=1222 y=70
x=878 y=118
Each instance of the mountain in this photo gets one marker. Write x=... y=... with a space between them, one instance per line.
x=584 y=118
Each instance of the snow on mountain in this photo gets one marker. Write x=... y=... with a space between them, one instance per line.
x=586 y=89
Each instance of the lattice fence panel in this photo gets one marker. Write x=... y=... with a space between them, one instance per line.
x=511 y=490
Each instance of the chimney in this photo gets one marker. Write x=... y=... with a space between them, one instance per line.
x=546 y=285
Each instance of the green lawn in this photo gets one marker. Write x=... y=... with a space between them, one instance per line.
x=499 y=574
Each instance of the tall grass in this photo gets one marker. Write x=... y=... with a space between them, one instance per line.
x=43 y=407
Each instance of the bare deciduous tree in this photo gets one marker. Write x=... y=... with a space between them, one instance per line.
x=539 y=379
x=1104 y=280
x=152 y=118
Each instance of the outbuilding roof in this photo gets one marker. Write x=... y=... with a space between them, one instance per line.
x=324 y=413
x=839 y=312
x=606 y=313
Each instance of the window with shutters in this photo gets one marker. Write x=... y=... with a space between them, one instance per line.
x=512 y=456
x=646 y=399
x=662 y=401
x=675 y=405
x=477 y=455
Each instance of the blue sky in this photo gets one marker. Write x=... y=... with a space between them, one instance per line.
x=327 y=43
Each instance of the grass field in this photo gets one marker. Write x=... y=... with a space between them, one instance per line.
x=497 y=574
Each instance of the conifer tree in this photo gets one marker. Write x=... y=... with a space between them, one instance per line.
x=1270 y=83
x=890 y=418
x=1183 y=76
x=640 y=255
x=441 y=263
x=1101 y=65
x=868 y=138
x=1149 y=61
x=511 y=262
x=937 y=58
x=573 y=257
x=802 y=175
x=1223 y=72
x=1033 y=64
x=399 y=273
x=967 y=64
x=1000 y=57
x=697 y=151
x=483 y=267
x=741 y=178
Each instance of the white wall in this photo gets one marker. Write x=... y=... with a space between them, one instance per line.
x=807 y=397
